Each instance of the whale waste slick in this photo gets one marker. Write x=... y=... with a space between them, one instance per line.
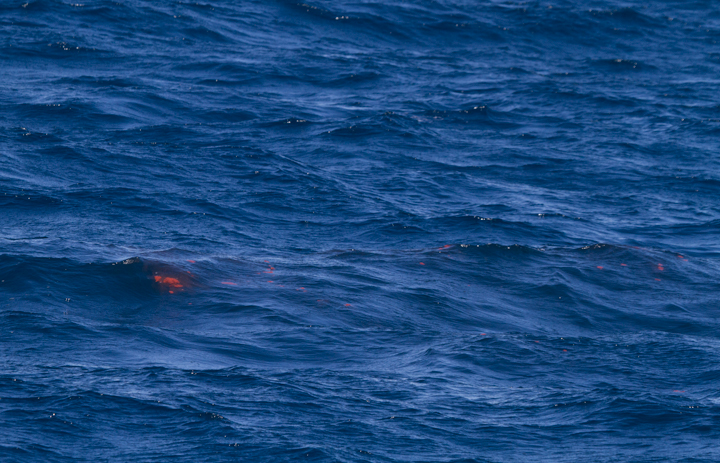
x=166 y=278
x=170 y=279
x=169 y=282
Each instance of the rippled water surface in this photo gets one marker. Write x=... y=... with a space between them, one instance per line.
x=354 y=231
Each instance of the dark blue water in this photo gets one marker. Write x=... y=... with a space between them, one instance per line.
x=424 y=231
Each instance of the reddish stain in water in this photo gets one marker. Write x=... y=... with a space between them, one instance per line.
x=272 y=268
x=228 y=283
x=537 y=342
x=624 y=265
x=347 y=305
x=269 y=281
x=171 y=292
x=189 y=303
x=483 y=334
x=678 y=391
x=685 y=260
x=191 y=261
x=564 y=350
x=265 y=261
x=657 y=279
x=422 y=263
x=600 y=267
x=174 y=282
x=660 y=267
x=680 y=257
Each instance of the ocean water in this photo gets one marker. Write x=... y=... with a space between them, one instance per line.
x=357 y=231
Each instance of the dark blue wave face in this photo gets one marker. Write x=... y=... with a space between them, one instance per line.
x=438 y=231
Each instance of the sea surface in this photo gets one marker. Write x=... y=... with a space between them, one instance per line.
x=359 y=231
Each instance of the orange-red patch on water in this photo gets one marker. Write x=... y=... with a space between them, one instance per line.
x=168 y=281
